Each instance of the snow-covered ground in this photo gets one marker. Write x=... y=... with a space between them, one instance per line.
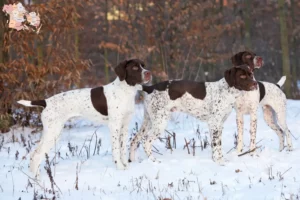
x=267 y=175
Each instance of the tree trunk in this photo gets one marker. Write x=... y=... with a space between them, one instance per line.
x=248 y=25
x=3 y=30
x=285 y=48
x=294 y=43
x=5 y=107
x=105 y=50
x=76 y=38
x=39 y=52
x=2 y=49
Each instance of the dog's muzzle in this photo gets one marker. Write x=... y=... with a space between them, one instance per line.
x=146 y=76
x=258 y=62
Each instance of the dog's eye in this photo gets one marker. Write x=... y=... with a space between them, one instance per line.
x=243 y=76
x=135 y=68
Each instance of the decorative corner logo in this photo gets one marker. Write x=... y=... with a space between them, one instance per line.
x=20 y=19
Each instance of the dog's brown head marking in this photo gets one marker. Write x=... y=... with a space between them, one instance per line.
x=249 y=58
x=240 y=77
x=133 y=72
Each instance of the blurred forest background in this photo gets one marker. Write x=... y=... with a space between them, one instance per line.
x=81 y=41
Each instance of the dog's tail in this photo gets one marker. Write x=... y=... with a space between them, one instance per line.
x=41 y=103
x=281 y=81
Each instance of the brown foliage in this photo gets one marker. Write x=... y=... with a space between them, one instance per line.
x=177 y=39
x=40 y=65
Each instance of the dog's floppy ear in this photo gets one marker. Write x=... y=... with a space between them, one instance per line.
x=244 y=67
x=121 y=70
x=237 y=59
x=230 y=76
x=233 y=60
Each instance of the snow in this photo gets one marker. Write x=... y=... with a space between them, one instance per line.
x=179 y=175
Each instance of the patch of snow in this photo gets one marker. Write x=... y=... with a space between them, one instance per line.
x=269 y=174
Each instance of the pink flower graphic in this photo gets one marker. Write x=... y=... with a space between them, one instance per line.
x=7 y=8
x=33 y=19
x=17 y=13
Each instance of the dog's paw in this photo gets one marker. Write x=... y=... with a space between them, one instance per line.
x=281 y=148
x=221 y=162
x=153 y=159
x=121 y=167
x=253 y=151
x=239 y=150
x=126 y=166
x=219 y=159
x=125 y=163
x=289 y=148
x=131 y=158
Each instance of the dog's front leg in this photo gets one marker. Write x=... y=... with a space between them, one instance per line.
x=115 y=131
x=253 y=128
x=216 y=143
x=240 y=127
x=123 y=140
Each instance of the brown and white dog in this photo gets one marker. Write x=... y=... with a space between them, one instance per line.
x=211 y=102
x=269 y=96
x=112 y=104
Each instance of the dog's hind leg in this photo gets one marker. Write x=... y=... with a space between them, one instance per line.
x=159 y=122
x=52 y=126
x=138 y=137
x=281 y=120
x=270 y=118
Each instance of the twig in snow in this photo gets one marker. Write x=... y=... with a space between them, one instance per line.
x=12 y=178
x=223 y=190
x=186 y=145
x=294 y=136
x=281 y=175
x=34 y=180
x=71 y=148
x=194 y=147
x=235 y=146
x=157 y=152
x=82 y=146
x=52 y=160
x=230 y=150
x=271 y=177
x=1 y=143
x=95 y=145
x=76 y=181
x=155 y=148
x=48 y=170
x=174 y=140
x=99 y=145
x=29 y=184
x=17 y=155
x=249 y=151
x=35 y=194
x=199 y=188
x=87 y=152
x=173 y=137
x=91 y=142
x=168 y=143
x=23 y=140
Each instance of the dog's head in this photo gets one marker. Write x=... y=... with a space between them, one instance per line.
x=241 y=77
x=133 y=72
x=249 y=58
